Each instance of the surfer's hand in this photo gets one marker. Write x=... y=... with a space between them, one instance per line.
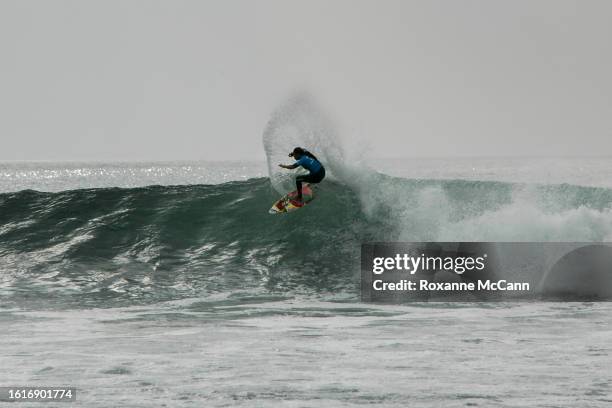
x=282 y=165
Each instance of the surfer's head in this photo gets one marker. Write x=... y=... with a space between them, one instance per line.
x=297 y=153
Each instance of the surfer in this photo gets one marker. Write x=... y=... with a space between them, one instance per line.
x=308 y=161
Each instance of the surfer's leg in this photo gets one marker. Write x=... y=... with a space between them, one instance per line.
x=298 y=183
x=308 y=178
x=317 y=177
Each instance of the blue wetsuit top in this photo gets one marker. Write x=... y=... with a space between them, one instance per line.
x=309 y=164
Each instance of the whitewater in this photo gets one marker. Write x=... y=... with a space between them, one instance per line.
x=169 y=284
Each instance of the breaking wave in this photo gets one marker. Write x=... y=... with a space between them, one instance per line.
x=167 y=242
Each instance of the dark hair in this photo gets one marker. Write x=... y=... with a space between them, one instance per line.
x=302 y=151
x=307 y=153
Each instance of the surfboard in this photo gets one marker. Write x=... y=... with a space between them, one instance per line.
x=287 y=202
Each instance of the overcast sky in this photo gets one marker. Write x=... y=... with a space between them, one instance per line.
x=166 y=80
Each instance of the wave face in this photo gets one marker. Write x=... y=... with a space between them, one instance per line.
x=158 y=243
x=114 y=246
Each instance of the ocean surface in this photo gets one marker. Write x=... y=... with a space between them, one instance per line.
x=169 y=284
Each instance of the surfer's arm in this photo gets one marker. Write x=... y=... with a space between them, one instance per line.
x=294 y=165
